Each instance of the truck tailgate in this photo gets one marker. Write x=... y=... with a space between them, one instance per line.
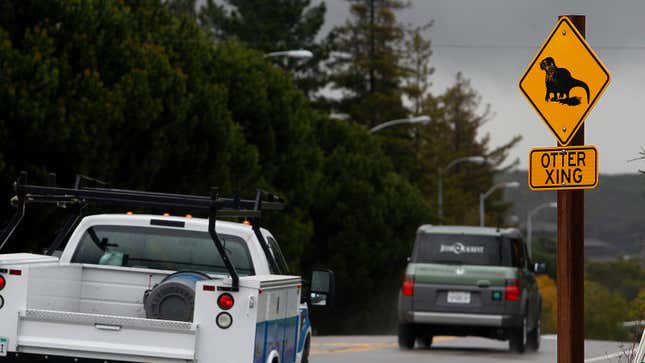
x=100 y=336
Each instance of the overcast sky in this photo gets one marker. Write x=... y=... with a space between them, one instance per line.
x=493 y=41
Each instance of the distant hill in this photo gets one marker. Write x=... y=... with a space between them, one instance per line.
x=614 y=211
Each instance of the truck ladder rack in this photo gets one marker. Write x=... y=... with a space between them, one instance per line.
x=80 y=196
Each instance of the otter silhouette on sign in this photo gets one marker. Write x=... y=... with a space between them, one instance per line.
x=559 y=83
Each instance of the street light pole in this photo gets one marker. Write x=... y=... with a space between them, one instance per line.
x=483 y=196
x=423 y=120
x=529 y=223
x=441 y=171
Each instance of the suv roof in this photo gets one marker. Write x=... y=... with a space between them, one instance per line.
x=470 y=230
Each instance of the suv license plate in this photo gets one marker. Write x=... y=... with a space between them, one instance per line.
x=4 y=346
x=458 y=297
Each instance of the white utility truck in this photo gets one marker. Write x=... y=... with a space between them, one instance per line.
x=132 y=287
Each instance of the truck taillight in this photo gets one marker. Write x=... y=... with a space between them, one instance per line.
x=225 y=301
x=3 y=282
x=513 y=290
x=408 y=286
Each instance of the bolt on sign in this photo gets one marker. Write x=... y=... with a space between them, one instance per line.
x=563 y=168
x=564 y=81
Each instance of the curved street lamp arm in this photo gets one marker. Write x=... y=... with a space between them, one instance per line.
x=420 y=120
x=483 y=196
x=294 y=53
x=498 y=186
x=473 y=159
x=455 y=162
x=529 y=223
x=492 y=190
x=441 y=171
x=542 y=206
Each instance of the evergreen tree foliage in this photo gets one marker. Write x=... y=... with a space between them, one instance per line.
x=131 y=93
x=272 y=26
x=373 y=213
x=366 y=66
x=417 y=51
x=403 y=143
x=454 y=133
x=266 y=25
x=112 y=91
x=378 y=64
x=183 y=7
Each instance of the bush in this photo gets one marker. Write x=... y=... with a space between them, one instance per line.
x=605 y=313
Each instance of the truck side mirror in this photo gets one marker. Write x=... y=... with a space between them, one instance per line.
x=322 y=288
x=539 y=267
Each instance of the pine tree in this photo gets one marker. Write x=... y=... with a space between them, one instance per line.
x=454 y=132
x=272 y=26
x=366 y=66
x=403 y=143
x=266 y=25
x=417 y=52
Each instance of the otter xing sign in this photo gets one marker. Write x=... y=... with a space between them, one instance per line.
x=563 y=168
x=564 y=81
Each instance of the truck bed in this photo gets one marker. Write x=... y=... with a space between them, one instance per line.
x=96 y=312
x=88 y=311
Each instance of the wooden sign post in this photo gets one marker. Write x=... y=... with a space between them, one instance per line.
x=571 y=258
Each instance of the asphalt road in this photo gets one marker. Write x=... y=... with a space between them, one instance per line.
x=364 y=349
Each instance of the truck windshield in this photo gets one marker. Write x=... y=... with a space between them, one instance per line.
x=459 y=249
x=161 y=248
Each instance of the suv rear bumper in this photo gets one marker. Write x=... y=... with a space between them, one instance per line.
x=460 y=319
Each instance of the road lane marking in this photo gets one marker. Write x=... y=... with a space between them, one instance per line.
x=353 y=348
x=318 y=347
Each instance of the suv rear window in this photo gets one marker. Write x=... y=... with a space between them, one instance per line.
x=161 y=248
x=460 y=250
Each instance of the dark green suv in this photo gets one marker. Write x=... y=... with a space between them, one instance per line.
x=475 y=281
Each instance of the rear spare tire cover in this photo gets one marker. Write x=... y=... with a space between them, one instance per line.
x=174 y=297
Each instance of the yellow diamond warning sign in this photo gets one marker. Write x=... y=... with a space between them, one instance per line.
x=560 y=168
x=564 y=81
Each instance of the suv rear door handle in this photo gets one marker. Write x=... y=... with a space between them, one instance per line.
x=483 y=283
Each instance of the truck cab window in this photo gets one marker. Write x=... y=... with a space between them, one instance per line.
x=161 y=248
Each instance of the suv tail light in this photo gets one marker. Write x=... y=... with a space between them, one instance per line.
x=513 y=290
x=3 y=282
x=408 y=286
